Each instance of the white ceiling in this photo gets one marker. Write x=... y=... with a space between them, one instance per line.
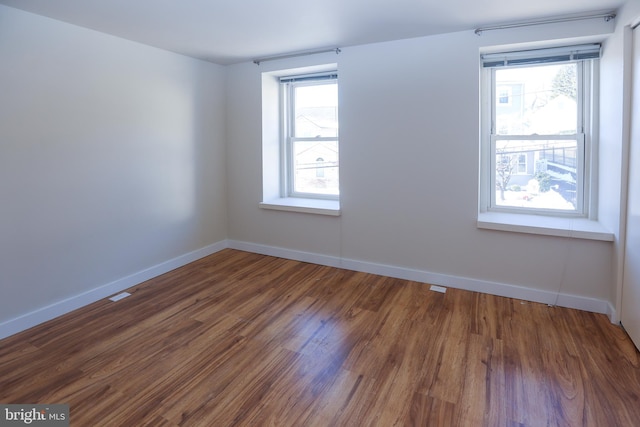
x=231 y=31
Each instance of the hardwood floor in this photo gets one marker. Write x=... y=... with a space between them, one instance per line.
x=244 y=339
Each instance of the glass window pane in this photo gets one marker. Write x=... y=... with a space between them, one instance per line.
x=316 y=167
x=316 y=111
x=537 y=100
x=538 y=174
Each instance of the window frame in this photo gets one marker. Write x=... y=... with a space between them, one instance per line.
x=288 y=84
x=586 y=141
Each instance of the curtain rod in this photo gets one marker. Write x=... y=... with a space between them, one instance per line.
x=606 y=16
x=294 y=55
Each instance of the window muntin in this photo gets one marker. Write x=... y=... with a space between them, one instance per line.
x=536 y=144
x=311 y=133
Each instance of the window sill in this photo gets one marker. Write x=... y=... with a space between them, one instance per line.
x=579 y=228
x=312 y=206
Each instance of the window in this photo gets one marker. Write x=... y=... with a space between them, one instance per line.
x=320 y=167
x=310 y=136
x=504 y=95
x=521 y=165
x=537 y=116
x=300 y=151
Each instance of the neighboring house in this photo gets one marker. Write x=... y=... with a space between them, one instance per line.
x=316 y=162
x=558 y=160
x=510 y=99
x=316 y=165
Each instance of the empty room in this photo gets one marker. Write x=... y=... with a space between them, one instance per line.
x=338 y=213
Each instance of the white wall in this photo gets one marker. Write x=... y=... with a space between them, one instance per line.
x=615 y=98
x=112 y=159
x=409 y=170
x=116 y=157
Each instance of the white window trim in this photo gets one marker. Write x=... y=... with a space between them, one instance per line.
x=489 y=137
x=579 y=228
x=274 y=196
x=288 y=140
x=297 y=204
x=585 y=227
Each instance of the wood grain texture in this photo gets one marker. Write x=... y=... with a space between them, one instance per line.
x=243 y=339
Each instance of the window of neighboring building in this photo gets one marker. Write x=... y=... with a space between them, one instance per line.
x=537 y=143
x=319 y=167
x=521 y=164
x=504 y=95
x=310 y=136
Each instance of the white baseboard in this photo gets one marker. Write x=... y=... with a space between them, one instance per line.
x=26 y=321
x=487 y=287
x=612 y=313
x=311 y=257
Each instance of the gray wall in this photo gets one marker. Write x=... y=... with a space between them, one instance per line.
x=409 y=119
x=116 y=157
x=112 y=159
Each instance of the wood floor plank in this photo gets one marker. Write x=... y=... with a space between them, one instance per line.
x=483 y=383
x=429 y=411
x=244 y=339
x=330 y=405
